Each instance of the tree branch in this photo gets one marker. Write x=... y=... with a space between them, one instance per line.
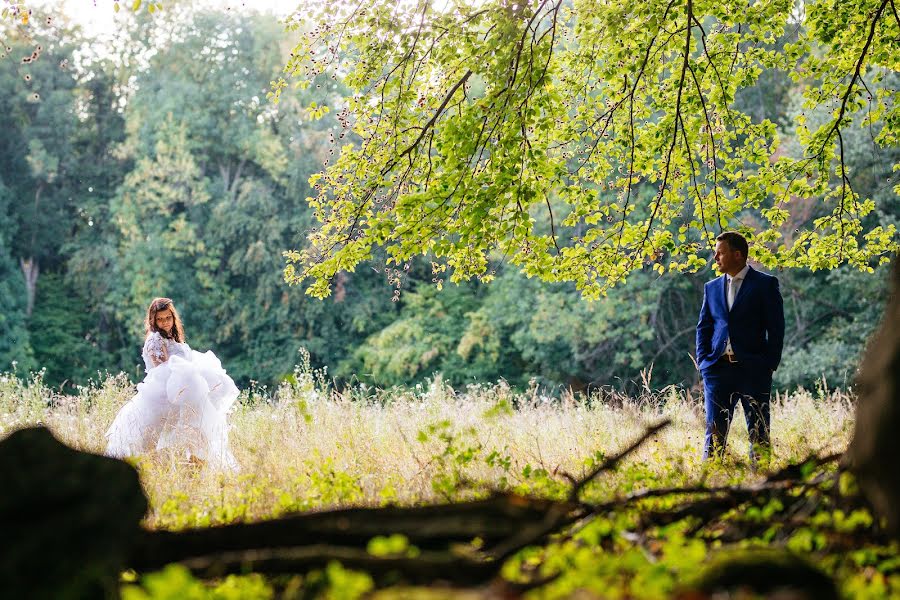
x=610 y=463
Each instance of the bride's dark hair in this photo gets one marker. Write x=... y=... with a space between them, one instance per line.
x=157 y=305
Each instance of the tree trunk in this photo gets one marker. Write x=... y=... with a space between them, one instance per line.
x=231 y=183
x=30 y=270
x=876 y=442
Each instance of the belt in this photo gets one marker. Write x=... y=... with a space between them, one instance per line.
x=728 y=359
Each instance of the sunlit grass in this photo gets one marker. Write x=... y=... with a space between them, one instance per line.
x=306 y=446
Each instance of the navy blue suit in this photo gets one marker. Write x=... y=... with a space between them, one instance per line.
x=755 y=325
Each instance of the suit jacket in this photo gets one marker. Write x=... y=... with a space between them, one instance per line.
x=755 y=322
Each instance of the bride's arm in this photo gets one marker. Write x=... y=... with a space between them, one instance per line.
x=163 y=355
x=156 y=350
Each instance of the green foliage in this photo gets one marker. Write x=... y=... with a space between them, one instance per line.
x=15 y=346
x=337 y=583
x=392 y=545
x=184 y=193
x=157 y=209
x=618 y=122
x=187 y=183
x=176 y=583
x=67 y=340
x=37 y=154
x=830 y=329
x=421 y=341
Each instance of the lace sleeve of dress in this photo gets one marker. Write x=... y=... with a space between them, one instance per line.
x=154 y=352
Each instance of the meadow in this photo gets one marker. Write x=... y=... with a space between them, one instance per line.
x=306 y=445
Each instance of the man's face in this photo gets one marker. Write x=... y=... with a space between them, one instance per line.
x=728 y=260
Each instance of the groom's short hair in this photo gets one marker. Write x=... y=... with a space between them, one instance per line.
x=735 y=241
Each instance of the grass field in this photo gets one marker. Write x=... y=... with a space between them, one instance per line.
x=306 y=446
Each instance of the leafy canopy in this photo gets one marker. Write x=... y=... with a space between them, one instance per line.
x=583 y=140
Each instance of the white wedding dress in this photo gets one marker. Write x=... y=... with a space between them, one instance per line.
x=182 y=404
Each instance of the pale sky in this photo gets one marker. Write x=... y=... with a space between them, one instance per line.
x=98 y=17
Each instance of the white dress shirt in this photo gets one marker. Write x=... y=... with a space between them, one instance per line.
x=733 y=286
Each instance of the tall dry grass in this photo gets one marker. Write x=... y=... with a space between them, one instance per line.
x=306 y=446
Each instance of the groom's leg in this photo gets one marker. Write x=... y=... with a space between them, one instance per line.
x=756 y=401
x=720 y=400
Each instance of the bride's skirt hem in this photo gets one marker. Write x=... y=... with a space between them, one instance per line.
x=181 y=404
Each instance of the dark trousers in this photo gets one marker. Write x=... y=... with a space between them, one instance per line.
x=724 y=384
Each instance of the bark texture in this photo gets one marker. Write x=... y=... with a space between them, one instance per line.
x=875 y=448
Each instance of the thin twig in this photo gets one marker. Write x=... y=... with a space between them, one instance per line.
x=611 y=462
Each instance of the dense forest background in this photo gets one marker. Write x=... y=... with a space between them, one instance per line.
x=154 y=165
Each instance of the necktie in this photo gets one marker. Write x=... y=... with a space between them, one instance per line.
x=732 y=290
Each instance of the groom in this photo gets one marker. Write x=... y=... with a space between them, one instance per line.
x=739 y=339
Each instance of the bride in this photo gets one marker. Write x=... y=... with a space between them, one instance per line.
x=183 y=401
